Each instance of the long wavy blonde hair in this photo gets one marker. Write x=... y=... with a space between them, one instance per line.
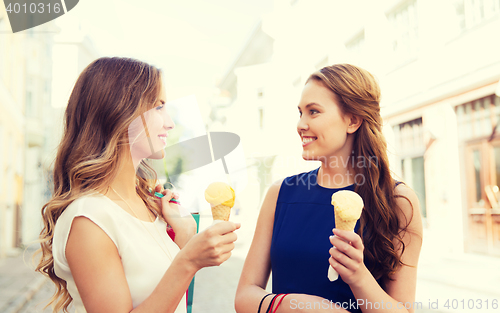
x=108 y=95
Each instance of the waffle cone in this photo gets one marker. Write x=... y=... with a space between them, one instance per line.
x=221 y=212
x=344 y=224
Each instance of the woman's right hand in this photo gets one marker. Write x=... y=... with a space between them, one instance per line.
x=211 y=247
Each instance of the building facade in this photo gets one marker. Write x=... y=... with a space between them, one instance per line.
x=25 y=75
x=438 y=64
x=38 y=68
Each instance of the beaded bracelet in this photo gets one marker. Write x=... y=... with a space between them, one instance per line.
x=262 y=300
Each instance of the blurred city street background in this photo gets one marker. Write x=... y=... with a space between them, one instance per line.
x=239 y=67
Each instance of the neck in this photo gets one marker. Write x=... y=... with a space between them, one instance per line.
x=336 y=172
x=124 y=182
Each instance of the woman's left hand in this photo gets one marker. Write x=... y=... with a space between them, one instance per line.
x=183 y=226
x=168 y=208
x=347 y=256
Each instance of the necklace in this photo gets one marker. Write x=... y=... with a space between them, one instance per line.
x=167 y=253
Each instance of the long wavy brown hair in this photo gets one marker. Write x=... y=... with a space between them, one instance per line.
x=359 y=94
x=108 y=95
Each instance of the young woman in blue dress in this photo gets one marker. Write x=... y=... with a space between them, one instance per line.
x=296 y=240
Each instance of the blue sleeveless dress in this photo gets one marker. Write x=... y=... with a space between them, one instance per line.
x=300 y=245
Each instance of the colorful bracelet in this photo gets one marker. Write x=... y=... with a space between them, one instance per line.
x=262 y=300
x=173 y=200
x=270 y=307
x=281 y=300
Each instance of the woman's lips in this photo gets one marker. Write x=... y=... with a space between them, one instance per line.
x=308 y=140
x=163 y=138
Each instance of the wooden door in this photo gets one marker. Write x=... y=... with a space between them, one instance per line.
x=483 y=195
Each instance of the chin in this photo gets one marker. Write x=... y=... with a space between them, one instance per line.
x=158 y=155
x=309 y=156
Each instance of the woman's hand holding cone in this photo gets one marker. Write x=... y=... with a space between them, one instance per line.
x=346 y=256
x=211 y=247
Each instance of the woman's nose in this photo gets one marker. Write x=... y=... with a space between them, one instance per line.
x=168 y=123
x=302 y=125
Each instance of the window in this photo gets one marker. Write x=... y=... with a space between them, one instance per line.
x=404 y=24
x=410 y=147
x=410 y=137
x=413 y=172
x=472 y=12
x=478 y=118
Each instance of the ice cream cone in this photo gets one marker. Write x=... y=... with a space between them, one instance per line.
x=344 y=224
x=348 y=206
x=221 y=212
x=221 y=198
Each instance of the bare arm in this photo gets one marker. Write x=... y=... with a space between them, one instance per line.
x=98 y=272
x=257 y=268
x=401 y=290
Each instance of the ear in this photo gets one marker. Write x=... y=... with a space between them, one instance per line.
x=354 y=122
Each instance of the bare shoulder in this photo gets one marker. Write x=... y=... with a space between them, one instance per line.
x=407 y=201
x=275 y=187
x=272 y=195
x=86 y=234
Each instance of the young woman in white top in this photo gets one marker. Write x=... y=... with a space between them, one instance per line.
x=104 y=243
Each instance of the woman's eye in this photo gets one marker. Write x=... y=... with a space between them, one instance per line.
x=160 y=107
x=313 y=112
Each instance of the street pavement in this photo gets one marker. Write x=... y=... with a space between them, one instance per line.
x=450 y=283
x=18 y=280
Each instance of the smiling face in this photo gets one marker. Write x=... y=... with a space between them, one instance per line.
x=148 y=132
x=325 y=131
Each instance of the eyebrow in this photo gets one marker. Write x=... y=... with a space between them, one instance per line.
x=310 y=104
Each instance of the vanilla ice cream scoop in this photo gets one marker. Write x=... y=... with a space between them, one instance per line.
x=348 y=205
x=219 y=193
x=221 y=198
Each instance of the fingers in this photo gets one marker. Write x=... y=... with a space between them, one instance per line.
x=158 y=188
x=349 y=236
x=229 y=238
x=227 y=248
x=338 y=267
x=165 y=192
x=342 y=259
x=347 y=249
x=224 y=231
x=167 y=195
x=224 y=257
x=214 y=245
x=225 y=227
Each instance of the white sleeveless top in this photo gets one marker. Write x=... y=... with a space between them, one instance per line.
x=144 y=261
